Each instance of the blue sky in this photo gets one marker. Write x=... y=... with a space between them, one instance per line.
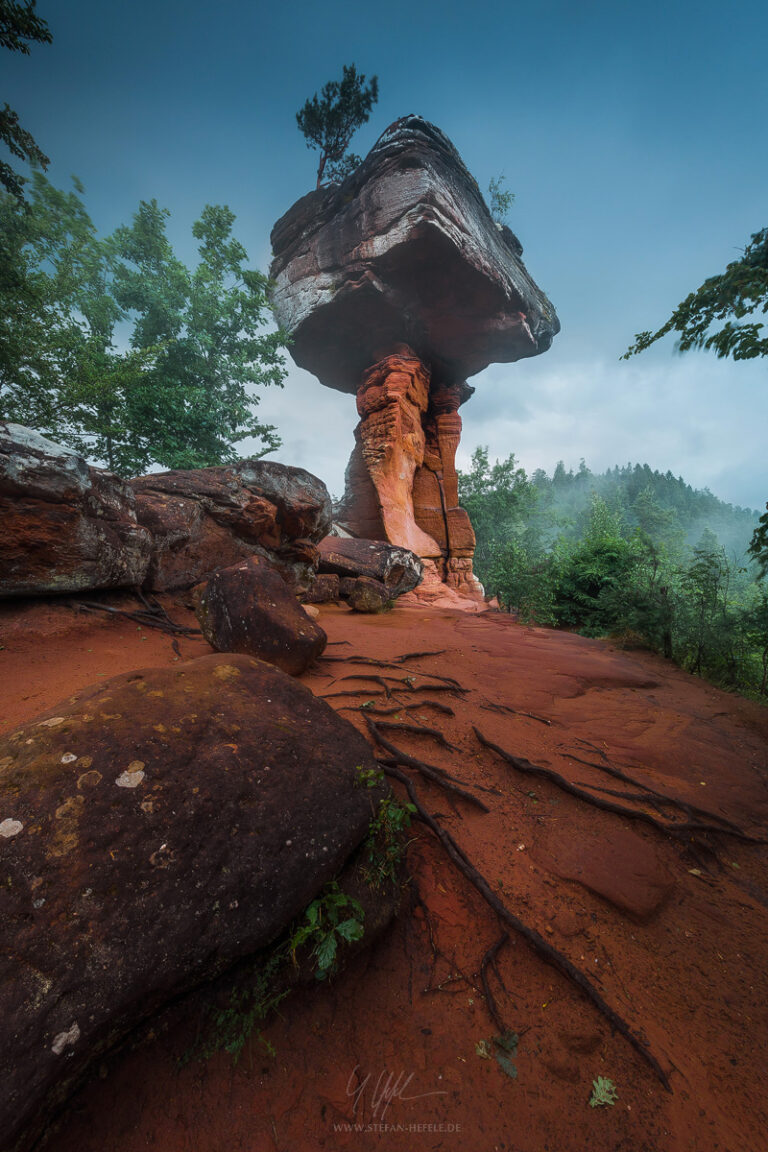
x=633 y=136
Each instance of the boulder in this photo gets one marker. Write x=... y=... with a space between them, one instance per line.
x=404 y=251
x=398 y=569
x=324 y=588
x=249 y=608
x=209 y=518
x=367 y=595
x=67 y=527
x=156 y=829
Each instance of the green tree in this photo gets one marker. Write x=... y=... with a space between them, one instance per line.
x=499 y=200
x=740 y=293
x=758 y=549
x=707 y=624
x=754 y=628
x=181 y=395
x=329 y=120
x=207 y=326
x=594 y=572
x=19 y=25
x=500 y=501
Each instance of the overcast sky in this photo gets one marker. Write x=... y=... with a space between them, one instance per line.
x=633 y=136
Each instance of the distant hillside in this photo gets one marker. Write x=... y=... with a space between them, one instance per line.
x=627 y=552
x=640 y=493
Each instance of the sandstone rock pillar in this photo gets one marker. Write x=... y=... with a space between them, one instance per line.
x=401 y=480
x=391 y=401
x=436 y=491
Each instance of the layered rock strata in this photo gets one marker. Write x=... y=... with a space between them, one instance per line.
x=209 y=518
x=396 y=286
x=66 y=527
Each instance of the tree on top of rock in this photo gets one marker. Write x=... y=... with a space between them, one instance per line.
x=19 y=24
x=329 y=120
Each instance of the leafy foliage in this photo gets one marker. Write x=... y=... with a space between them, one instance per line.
x=499 y=201
x=603 y=1092
x=229 y=1026
x=739 y=293
x=181 y=394
x=19 y=25
x=330 y=919
x=632 y=554
x=385 y=844
x=758 y=547
x=329 y=120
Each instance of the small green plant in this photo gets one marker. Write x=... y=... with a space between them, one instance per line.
x=603 y=1092
x=503 y=1049
x=332 y=917
x=229 y=1028
x=385 y=843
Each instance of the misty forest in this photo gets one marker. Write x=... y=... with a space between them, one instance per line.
x=631 y=554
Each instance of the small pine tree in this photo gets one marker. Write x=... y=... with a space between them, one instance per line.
x=329 y=120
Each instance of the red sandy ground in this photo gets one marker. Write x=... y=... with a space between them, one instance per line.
x=677 y=944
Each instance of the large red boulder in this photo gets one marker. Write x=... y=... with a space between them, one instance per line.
x=66 y=527
x=208 y=518
x=249 y=608
x=154 y=830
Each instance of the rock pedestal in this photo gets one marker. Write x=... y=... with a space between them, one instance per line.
x=401 y=482
x=396 y=285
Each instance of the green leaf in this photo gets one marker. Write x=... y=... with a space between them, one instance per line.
x=326 y=952
x=350 y=929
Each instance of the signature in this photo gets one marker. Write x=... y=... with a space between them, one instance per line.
x=386 y=1088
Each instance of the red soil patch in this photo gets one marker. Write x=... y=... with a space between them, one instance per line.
x=677 y=944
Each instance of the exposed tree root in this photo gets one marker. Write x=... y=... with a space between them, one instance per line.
x=147 y=619
x=682 y=829
x=408 y=681
x=538 y=943
x=382 y=680
x=490 y=1000
x=516 y=712
x=396 y=708
x=355 y=692
x=397 y=662
x=421 y=730
x=431 y=772
x=405 y=686
x=668 y=801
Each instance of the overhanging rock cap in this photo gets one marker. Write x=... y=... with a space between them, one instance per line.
x=404 y=251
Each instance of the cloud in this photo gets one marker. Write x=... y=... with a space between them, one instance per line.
x=699 y=417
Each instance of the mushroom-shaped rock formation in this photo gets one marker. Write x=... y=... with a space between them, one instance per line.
x=396 y=285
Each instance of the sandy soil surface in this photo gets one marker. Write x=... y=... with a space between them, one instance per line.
x=398 y=1050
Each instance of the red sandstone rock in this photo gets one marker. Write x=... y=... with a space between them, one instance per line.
x=156 y=828
x=66 y=527
x=212 y=517
x=405 y=251
x=402 y=475
x=367 y=595
x=397 y=286
x=398 y=570
x=324 y=587
x=249 y=608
